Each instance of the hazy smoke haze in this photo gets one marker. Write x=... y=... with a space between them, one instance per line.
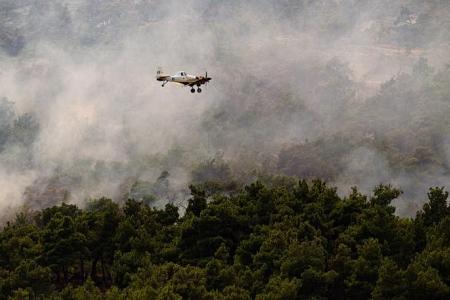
x=353 y=91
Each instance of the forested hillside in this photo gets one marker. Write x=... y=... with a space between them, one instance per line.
x=113 y=187
x=353 y=92
x=282 y=239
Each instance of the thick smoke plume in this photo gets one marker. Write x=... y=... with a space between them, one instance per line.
x=355 y=92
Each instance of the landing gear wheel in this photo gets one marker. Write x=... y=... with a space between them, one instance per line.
x=192 y=90
x=199 y=90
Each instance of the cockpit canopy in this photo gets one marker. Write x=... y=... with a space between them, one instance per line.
x=181 y=73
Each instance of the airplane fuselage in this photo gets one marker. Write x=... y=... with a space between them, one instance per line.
x=184 y=78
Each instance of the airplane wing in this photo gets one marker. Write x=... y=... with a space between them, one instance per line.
x=184 y=83
x=200 y=81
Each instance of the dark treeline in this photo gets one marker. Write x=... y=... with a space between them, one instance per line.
x=281 y=239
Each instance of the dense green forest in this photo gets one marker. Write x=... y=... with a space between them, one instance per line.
x=273 y=239
x=201 y=193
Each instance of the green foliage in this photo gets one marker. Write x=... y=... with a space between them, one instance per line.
x=436 y=209
x=279 y=240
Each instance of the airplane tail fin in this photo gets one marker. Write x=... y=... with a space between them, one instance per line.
x=159 y=73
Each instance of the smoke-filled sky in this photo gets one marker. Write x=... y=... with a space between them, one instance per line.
x=361 y=83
